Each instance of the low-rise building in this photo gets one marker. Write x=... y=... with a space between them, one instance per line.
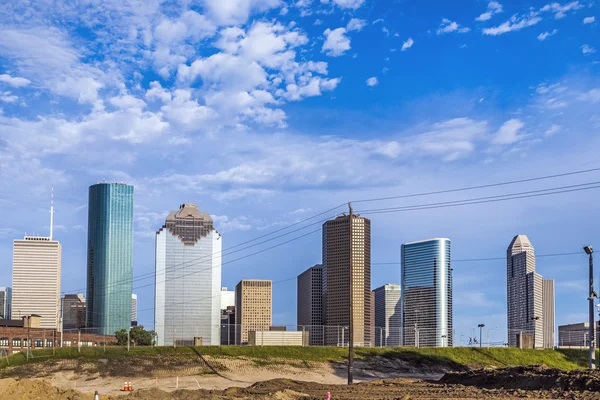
x=277 y=338
x=576 y=335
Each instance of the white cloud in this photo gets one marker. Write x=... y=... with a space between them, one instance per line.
x=126 y=102
x=587 y=49
x=233 y=12
x=448 y=26
x=509 y=132
x=352 y=4
x=592 y=96
x=314 y=87
x=14 y=81
x=408 y=44
x=589 y=20
x=552 y=130
x=493 y=8
x=355 y=24
x=543 y=36
x=513 y=24
x=318 y=22
x=336 y=43
x=372 y=81
x=560 y=11
x=8 y=97
x=225 y=224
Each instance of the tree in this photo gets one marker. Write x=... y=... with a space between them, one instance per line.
x=138 y=336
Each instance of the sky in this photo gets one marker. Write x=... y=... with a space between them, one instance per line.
x=267 y=112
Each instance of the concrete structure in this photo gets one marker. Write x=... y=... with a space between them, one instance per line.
x=253 y=308
x=527 y=311
x=133 y=309
x=110 y=257
x=228 y=327
x=340 y=271
x=5 y=301
x=549 y=323
x=36 y=279
x=426 y=301
x=310 y=304
x=73 y=311
x=278 y=338
x=576 y=335
x=387 y=315
x=227 y=298
x=188 y=278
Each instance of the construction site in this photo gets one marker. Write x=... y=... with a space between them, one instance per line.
x=297 y=373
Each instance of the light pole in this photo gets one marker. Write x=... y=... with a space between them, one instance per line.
x=480 y=326
x=589 y=250
x=534 y=319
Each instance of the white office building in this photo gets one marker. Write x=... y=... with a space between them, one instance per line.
x=387 y=315
x=188 y=278
x=227 y=298
x=36 y=279
x=133 y=309
x=5 y=299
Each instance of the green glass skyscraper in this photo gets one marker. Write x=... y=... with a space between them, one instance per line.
x=110 y=257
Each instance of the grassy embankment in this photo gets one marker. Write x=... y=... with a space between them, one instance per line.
x=472 y=357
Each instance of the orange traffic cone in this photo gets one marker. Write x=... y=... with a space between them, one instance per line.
x=125 y=386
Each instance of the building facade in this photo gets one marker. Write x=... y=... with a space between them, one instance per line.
x=576 y=335
x=5 y=301
x=310 y=304
x=133 y=309
x=188 y=278
x=426 y=298
x=528 y=313
x=387 y=315
x=36 y=279
x=228 y=327
x=73 y=312
x=253 y=308
x=340 y=270
x=110 y=257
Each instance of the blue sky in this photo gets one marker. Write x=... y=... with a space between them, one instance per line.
x=264 y=112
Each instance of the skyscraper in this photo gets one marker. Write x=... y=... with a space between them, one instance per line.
x=426 y=299
x=36 y=279
x=310 y=304
x=5 y=300
x=253 y=308
x=227 y=298
x=133 y=309
x=110 y=257
x=387 y=315
x=188 y=278
x=73 y=312
x=340 y=237
x=526 y=292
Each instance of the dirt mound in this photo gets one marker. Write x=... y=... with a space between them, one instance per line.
x=13 y=389
x=527 y=378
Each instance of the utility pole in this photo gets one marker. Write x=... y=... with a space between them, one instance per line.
x=351 y=319
x=480 y=326
x=128 y=339
x=589 y=251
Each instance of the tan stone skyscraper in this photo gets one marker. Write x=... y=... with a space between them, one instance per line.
x=338 y=237
x=253 y=308
x=36 y=279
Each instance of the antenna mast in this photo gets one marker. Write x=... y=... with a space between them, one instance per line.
x=51 y=212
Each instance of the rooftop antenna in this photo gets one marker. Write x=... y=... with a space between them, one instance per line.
x=51 y=211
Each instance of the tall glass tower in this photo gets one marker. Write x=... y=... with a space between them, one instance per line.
x=110 y=257
x=426 y=299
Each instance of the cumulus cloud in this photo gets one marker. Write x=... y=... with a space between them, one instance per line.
x=14 y=81
x=493 y=8
x=233 y=12
x=589 y=20
x=448 y=26
x=372 y=81
x=587 y=49
x=560 y=11
x=351 y=4
x=543 y=36
x=592 y=96
x=509 y=132
x=515 y=23
x=336 y=43
x=355 y=24
x=408 y=44
x=552 y=130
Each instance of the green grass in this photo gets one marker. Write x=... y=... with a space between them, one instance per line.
x=460 y=356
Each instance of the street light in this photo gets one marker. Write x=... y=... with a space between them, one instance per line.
x=480 y=326
x=589 y=250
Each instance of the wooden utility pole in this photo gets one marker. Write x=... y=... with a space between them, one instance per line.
x=351 y=319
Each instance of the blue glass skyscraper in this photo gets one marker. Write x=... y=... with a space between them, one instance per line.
x=110 y=257
x=426 y=299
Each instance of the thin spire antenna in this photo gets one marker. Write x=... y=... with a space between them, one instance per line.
x=51 y=212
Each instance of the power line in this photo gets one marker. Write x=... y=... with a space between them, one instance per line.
x=539 y=178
